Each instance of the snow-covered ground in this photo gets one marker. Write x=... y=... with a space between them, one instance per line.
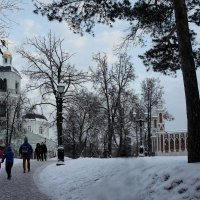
x=144 y=178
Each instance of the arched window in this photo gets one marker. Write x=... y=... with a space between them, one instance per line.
x=166 y=145
x=17 y=87
x=3 y=84
x=171 y=144
x=177 y=144
x=162 y=143
x=182 y=144
x=160 y=118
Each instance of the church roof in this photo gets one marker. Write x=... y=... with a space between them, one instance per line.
x=7 y=54
x=34 y=116
x=33 y=139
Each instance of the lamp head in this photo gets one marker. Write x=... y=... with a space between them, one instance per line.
x=61 y=87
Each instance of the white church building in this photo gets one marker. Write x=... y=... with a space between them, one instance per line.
x=12 y=123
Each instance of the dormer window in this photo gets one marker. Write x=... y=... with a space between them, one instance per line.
x=40 y=130
x=29 y=128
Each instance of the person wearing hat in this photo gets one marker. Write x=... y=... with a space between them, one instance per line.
x=26 y=151
x=9 y=156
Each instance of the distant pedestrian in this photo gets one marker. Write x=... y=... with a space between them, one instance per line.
x=38 y=151
x=9 y=156
x=43 y=151
x=26 y=151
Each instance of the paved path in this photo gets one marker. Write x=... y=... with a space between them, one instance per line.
x=22 y=185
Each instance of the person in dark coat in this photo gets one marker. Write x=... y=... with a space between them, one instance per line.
x=26 y=151
x=38 y=151
x=9 y=156
x=43 y=151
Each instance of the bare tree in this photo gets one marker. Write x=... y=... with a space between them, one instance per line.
x=112 y=85
x=82 y=124
x=11 y=116
x=152 y=93
x=47 y=67
x=6 y=7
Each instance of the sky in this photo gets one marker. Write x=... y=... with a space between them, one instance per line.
x=142 y=178
x=27 y=24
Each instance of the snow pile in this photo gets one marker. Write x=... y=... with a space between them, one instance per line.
x=147 y=178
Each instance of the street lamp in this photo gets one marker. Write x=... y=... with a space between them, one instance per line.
x=139 y=121
x=60 y=89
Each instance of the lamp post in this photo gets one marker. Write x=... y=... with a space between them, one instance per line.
x=139 y=121
x=60 y=89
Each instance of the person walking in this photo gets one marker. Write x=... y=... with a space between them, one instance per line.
x=43 y=151
x=26 y=151
x=9 y=156
x=38 y=151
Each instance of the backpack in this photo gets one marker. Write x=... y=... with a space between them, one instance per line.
x=25 y=149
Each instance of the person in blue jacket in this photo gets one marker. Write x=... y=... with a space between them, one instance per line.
x=26 y=151
x=9 y=156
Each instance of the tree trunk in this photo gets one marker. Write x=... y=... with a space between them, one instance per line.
x=190 y=81
x=74 y=143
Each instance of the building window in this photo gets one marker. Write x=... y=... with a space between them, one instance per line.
x=16 y=87
x=166 y=145
x=182 y=144
x=155 y=123
x=40 y=130
x=171 y=144
x=177 y=143
x=6 y=60
x=160 y=117
x=3 y=84
x=162 y=143
x=3 y=109
x=29 y=128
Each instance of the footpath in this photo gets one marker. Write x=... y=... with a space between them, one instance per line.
x=22 y=186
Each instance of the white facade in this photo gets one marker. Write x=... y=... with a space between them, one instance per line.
x=10 y=84
x=36 y=129
x=37 y=124
x=10 y=75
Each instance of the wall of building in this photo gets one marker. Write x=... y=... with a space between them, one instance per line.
x=36 y=126
x=170 y=143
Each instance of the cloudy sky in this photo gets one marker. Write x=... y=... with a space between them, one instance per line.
x=28 y=24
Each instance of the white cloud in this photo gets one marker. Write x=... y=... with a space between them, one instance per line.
x=31 y=27
x=79 y=42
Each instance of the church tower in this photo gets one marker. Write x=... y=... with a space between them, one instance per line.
x=160 y=119
x=10 y=89
x=10 y=78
